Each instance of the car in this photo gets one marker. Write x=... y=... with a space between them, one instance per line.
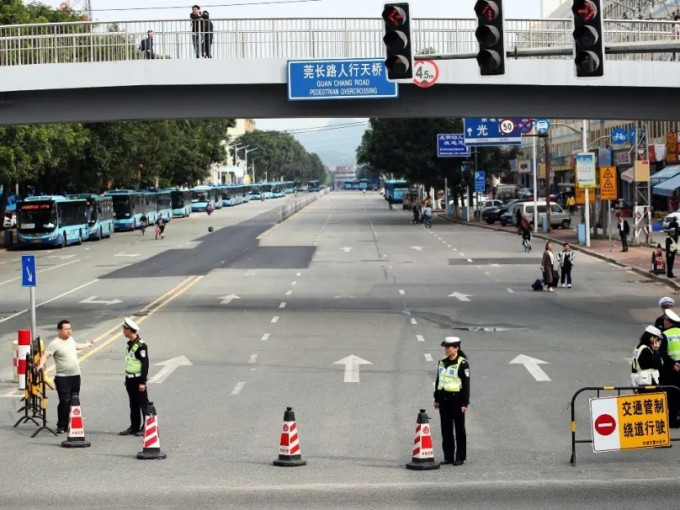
x=558 y=216
x=493 y=214
x=525 y=193
x=667 y=220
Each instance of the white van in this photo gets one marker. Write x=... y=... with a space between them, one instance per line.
x=558 y=216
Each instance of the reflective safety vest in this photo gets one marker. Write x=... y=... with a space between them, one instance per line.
x=448 y=376
x=673 y=336
x=673 y=245
x=132 y=364
x=646 y=376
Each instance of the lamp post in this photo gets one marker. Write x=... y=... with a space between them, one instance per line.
x=247 y=151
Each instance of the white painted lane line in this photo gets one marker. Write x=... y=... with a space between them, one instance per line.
x=293 y=282
x=428 y=356
x=42 y=271
x=413 y=321
x=265 y=337
x=462 y=254
x=511 y=291
x=298 y=274
x=275 y=319
x=48 y=301
x=402 y=292
x=420 y=338
x=237 y=389
x=253 y=358
x=289 y=293
x=282 y=305
x=469 y=260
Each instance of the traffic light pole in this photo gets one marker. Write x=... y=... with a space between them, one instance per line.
x=584 y=148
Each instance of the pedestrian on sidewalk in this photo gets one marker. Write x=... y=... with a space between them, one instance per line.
x=566 y=260
x=547 y=268
x=671 y=250
x=624 y=230
x=526 y=234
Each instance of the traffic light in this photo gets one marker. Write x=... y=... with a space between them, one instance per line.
x=399 y=61
x=588 y=43
x=489 y=33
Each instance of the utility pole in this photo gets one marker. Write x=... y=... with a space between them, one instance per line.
x=547 y=178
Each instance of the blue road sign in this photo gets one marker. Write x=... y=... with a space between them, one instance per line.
x=484 y=131
x=28 y=277
x=480 y=181
x=542 y=126
x=631 y=136
x=452 y=146
x=619 y=135
x=525 y=126
x=318 y=80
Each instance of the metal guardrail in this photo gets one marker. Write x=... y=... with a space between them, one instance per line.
x=302 y=38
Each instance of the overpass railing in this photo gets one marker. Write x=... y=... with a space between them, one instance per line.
x=301 y=38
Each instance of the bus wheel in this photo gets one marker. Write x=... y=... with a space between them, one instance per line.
x=80 y=237
x=63 y=240
x=101 y=234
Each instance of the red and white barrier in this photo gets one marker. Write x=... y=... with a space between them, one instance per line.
x=15 y=360
x=24 y=350
x=151 y=442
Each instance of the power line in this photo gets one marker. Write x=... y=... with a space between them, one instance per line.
x=239 y=4
x=323 y=128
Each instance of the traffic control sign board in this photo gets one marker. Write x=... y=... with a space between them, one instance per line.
x=608 y=184
x=425 y=73
x=525 y=126
x=629 y=422
x=585 y=170
x=487 y=131
x=542 y=126
x=28 y=277
x=452 y=146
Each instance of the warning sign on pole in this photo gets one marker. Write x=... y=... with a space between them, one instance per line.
x=629 y=422
x=608 y=184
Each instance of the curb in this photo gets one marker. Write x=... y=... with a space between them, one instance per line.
x=576 y=247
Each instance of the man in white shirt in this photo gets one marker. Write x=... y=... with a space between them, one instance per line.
x=67 y=377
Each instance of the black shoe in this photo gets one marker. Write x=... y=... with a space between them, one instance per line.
x=445 y=462
x=458 y=462
x=139 y=433
x=60 y=430
x=128 y=432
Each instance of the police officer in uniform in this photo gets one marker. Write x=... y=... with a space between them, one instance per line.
x=671 y=370
x=664 y=303
x=136 y=370
x=647 y=360
x=452 y=398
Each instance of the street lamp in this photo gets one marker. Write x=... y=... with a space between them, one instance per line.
x=236 y=149
x=247 y=151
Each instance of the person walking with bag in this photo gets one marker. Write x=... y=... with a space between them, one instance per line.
x=548 y=268
x=566 y=261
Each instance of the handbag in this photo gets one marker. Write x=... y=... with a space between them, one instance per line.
x=556 y=275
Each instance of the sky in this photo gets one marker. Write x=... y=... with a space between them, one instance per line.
x=131 y=10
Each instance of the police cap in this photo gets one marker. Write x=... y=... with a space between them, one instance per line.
x=666 y=301
x=671 y=316
x=128 y=323
x=451 y=341
x=653 y=331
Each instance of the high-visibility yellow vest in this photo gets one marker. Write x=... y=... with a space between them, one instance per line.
x=132 y=364
x=449 y=380
x=673 y=336
x=646 y=376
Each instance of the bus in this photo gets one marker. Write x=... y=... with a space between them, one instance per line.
x=254 y=192
x=180 y=200
x=363 y=184
x=278 y=190
x=313 y=185
x=201 y=196
x=52 y=221
x=395 y=190
x=266 y=191
x=99 y=214
x=162 y=204
x=128 y=208
x=233 y=194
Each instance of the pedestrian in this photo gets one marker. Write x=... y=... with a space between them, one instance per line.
x=427 y=216
x=566 y=261
x=160 y=227
x=67 y=376
x=674 y=225
x=670 y=374
x=146 y=46
x=671 y=250
x=452 y=398
x=207 y=34
x=526 y=234
x=647 y=360
x=658 y=264
x=571 y=204
x=665 y=303
x=548 y=268
x=196 y=29
x=624 y=230
x=136 y=371
x=143 y=222
x=518 y=218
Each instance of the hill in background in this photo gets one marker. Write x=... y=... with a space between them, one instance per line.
x=336 y=143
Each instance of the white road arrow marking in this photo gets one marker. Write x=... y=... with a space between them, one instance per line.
x=460 y=297
x=417 y=248
x=169 y=367
x=352 y=363
x=531 y=365
x=228 y=299
x=123 y=254
x=62 y=257
x=346 y=249
x=92 y=300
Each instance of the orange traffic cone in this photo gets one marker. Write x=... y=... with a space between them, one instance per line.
x=152 y=443
x=76 y=432
x=289 y=448
x=423 y=453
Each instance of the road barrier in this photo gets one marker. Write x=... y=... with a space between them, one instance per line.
x=423 y=453
x=15 y=361
x=625 y=422
x=290 y=454
x=24 y=341
x=151 y=442
x=76 y=430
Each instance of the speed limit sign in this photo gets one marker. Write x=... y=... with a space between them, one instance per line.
x=507 y=126
x=425 y=73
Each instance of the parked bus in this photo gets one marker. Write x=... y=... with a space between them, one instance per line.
x=233 y=194
x=395 y=189
x=313 y=185
x=128 y=208
x=254 y=191
x=181 y=202
x=163 y=204
x=277 y=190
x=52 y=221
x=201 y=196
x=99 y=214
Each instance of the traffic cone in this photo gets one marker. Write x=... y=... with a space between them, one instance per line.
x=152 y=443
x=76 y=432
x=423 y=453
x=289 y=447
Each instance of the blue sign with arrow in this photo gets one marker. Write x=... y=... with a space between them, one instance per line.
x=28 y=276
x=485 y=131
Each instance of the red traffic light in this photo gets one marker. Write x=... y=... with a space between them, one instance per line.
x=394 y=15
x=487 y=10
x=584 y=10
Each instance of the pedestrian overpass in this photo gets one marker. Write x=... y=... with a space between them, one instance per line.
x=93 y=71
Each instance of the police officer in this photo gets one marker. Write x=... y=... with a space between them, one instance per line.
x=136 y=370
x=664 y=303
x=671 y=369
x=452 y=398
x=647 y=360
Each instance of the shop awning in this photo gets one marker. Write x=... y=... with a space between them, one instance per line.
x=629 y=175
x=666 y=173
x=666 y=188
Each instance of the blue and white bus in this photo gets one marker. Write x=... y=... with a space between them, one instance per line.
x=201 y=196
x=254 y=192
x=128 y=208
x=52 y=221
x=266 y=191
x=99 y=214
x=313 y=185
x=181 y=202
x=163 y=204
x=233 y=194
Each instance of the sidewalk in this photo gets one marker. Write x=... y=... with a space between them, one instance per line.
x=637 y=258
